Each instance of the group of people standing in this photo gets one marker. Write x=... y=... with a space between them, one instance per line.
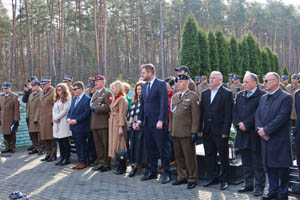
x=107 y=124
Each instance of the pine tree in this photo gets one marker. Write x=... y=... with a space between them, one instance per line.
x=244 y=54
x=276 y=64
x=189 y=52
x=213 y=52
x=223 y=53
x=285 y=71
x=254 y=54
x=234 y=56
x=266 y=64
x=204 y=60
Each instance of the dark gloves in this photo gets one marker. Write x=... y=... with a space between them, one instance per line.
x=35 y=122
x=93 y=108
x=16 y=123
x=27 y=121
x=194 y=137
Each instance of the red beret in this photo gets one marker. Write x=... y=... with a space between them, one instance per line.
x=99 y=77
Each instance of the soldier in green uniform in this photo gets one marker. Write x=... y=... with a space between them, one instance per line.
x=292 y=88
x=68 y=80
x=9 y=117
x=236 y=86
x=230 y=82
x=284 y=82
x=203 y=85
x=184 y=125
x=197 y=80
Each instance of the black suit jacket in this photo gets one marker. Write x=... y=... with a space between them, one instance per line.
x=216 y=117
x=155 y=106
x=244 y=111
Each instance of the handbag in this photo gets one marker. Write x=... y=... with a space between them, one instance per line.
x=122 y=154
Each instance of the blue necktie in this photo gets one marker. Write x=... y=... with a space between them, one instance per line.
x=148 y=90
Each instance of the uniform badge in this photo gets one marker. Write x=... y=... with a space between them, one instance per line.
x=187 y=100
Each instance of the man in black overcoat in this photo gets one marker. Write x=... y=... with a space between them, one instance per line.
x=215 y=123
x=273 y=124
x=247 y=140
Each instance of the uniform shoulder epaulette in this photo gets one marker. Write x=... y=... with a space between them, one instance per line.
x=192 y=92
x=225 y=88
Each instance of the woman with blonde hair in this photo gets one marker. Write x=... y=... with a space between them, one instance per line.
x=117 y=124
x=61 y=128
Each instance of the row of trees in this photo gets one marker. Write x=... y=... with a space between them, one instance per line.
x=204 y=52
x=84 y=37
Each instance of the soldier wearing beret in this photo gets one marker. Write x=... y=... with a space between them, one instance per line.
x=68 y=80
x=9 y=117
x=46 y=130
x=230 y=82
x=292 y=88
x=33 y=115
x=284 y=82
x=185 y=70
x=184 y=125
x=236 y=86
x=100 y=107
x=197 y=80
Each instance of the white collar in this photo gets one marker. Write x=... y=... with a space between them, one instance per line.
x=79 y=97
x=216 y=88
x=271 y=93
x=152 y=81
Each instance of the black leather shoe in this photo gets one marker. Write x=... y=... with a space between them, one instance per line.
x=30 y=148
x=53 y=158
x=41 y=153
x=65 y=162
x=46 y=158
x=177 y=182
x=105 y=169
x=269 y=196
x=11 y=151
x=98 y=167
x=149 y=176
x=60 y=161
x=211 y=182
x=165 y=178
x=257 y=193
x=224 y=185
x=191 y=185
x=246 y=189
x=33 y=152
x=5 y=151
x=132 y=172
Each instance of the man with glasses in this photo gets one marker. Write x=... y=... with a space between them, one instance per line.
x=79 y=117
x=272 y=121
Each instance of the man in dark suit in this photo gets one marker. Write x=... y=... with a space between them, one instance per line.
x=153 y=117
x=273 y=124
x=297 y=132
x=215 y=122
x=247 y=140
x=79 y=117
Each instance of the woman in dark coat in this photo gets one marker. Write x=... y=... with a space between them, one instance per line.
x=138 y=155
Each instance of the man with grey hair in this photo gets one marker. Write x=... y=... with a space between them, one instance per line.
x=215 y=122
x=273 y=125
x=247 y=140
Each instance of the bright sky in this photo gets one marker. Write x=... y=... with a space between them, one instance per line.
x=7 y=3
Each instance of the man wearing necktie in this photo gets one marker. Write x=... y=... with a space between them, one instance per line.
x=79 y=120
x=9 y=117
x=273 y=125
x=153 y=117
x=247 y=140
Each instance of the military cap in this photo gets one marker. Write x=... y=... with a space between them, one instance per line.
x=197 y=78
x=236 y=77
x=32 y=78
x=284 y=77
x=45 y=80
x=67 y=78
x=295 y=76
x=183 y=67
x=203 y=77
x=170 y=80
x=182 y=77
x=34 y=83
x=99 y=77
x=6 y=85
x=230 y=75
x=91 y=83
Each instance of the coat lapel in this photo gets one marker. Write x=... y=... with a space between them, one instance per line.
x=113 y=104
x=217 y=95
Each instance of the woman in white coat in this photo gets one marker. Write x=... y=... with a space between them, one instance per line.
x=61 y=129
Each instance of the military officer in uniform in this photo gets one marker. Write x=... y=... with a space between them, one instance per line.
x=46 y=132
x=203 y=85
x=184 y=125
x=291 y=89
x=185 y=70
x=33 y=115
x=230 y=82
x=284 y=82
x=68 y=80
x=27 y=92
x=9 y=117
x=100 y=107
x=197 y=80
